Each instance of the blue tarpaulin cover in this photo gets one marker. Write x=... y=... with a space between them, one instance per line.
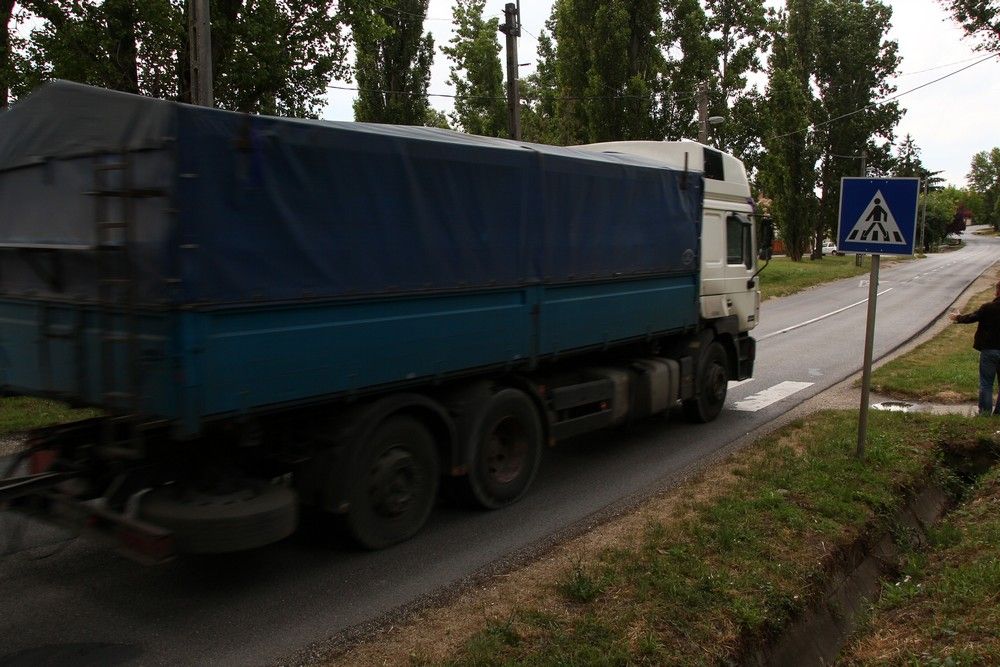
x=269 y=209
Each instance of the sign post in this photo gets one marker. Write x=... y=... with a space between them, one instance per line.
x=878 y=216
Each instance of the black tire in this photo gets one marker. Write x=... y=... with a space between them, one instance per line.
x=710 y=386
x=207 y=523
x=506 y=449
x=396 y=483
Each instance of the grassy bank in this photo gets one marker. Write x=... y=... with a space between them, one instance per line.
x=944 y=369
x=783 y=276
x=945 y=608
x=19 y=413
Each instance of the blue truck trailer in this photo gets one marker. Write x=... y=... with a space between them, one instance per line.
x=274 y=312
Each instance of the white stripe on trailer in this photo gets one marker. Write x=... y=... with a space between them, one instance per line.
x=769 y=396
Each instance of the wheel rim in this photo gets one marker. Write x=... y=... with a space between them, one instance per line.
x=506 y=451
x=717 y=383
x=393 y=483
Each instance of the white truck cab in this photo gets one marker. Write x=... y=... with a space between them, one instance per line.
x=728 y=243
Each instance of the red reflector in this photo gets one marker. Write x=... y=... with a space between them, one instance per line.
x=157 y=547
x=41 y=460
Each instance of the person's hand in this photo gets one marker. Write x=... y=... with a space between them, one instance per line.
x=953 y=315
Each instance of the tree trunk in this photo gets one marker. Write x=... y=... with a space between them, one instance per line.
x=6 y=13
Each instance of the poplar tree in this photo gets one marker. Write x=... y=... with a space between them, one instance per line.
x=691 y=61
x=476 y=72
x=789 y=167
x=393 y=64
x=740 y=35
x=539 y=119
x=853 y=62
x=6 y=55
x=608 y=64
x=979 y=18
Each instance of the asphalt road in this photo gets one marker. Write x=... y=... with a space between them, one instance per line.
x=85 y=605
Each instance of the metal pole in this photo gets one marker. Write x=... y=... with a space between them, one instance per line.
x=200 y=46
x=858 y=258
x=703 y=113
x=923 y=217
x=512 y=28
x=866 y=375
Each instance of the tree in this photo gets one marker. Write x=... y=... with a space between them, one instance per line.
x=789 y=165
x=740 y=35
x=979 y=18
x=852 y=63
x=692 y=60
x=477 y=75
x=984 y=179
x=608 y=64
x=6 y=57
x=393 y=63
x=269 y=56
x=539 y=120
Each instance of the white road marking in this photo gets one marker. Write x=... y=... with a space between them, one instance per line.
x=821 y=317
x=762 y=399
x=736 y=383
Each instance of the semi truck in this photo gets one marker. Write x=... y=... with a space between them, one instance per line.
x=275 y=313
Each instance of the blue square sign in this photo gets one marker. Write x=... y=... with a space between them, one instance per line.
x=878 y=216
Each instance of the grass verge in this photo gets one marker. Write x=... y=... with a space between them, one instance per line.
x=703 y=574
x=20 y=413
x=783 y=276
x=944 y=369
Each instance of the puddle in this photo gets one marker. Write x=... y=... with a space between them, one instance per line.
x=895 y=406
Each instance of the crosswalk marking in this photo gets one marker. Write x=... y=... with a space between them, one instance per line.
x=736 y=383
x=771 y=395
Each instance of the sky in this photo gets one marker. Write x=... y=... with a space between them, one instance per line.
x=950 y=120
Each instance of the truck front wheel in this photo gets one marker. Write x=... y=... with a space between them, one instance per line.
x=710 y=386
x=395 y=484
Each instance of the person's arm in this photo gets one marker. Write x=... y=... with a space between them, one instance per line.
x=968 y=318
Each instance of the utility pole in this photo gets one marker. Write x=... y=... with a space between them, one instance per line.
x=200 y=46
x=512 y=28
x=703 y=113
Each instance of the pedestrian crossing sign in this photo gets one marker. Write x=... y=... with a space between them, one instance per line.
x=878 y=216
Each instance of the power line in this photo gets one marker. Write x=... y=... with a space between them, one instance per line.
x=936 y=67
x=884 y=100
x=568 y=98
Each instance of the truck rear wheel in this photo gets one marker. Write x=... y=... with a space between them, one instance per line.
x=506 y=449
x=711 y=383
x=395 y=484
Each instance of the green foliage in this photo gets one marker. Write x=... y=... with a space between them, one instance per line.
x=853 y=64
x=607 y=66
x=268 y=56
x=739 y=34
x=984 y=179
x=693 y=58
x=789 y=167
x=480 y=106
x=393 y=62
x=7 y=44
x=539 y=119
x=979 y=18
